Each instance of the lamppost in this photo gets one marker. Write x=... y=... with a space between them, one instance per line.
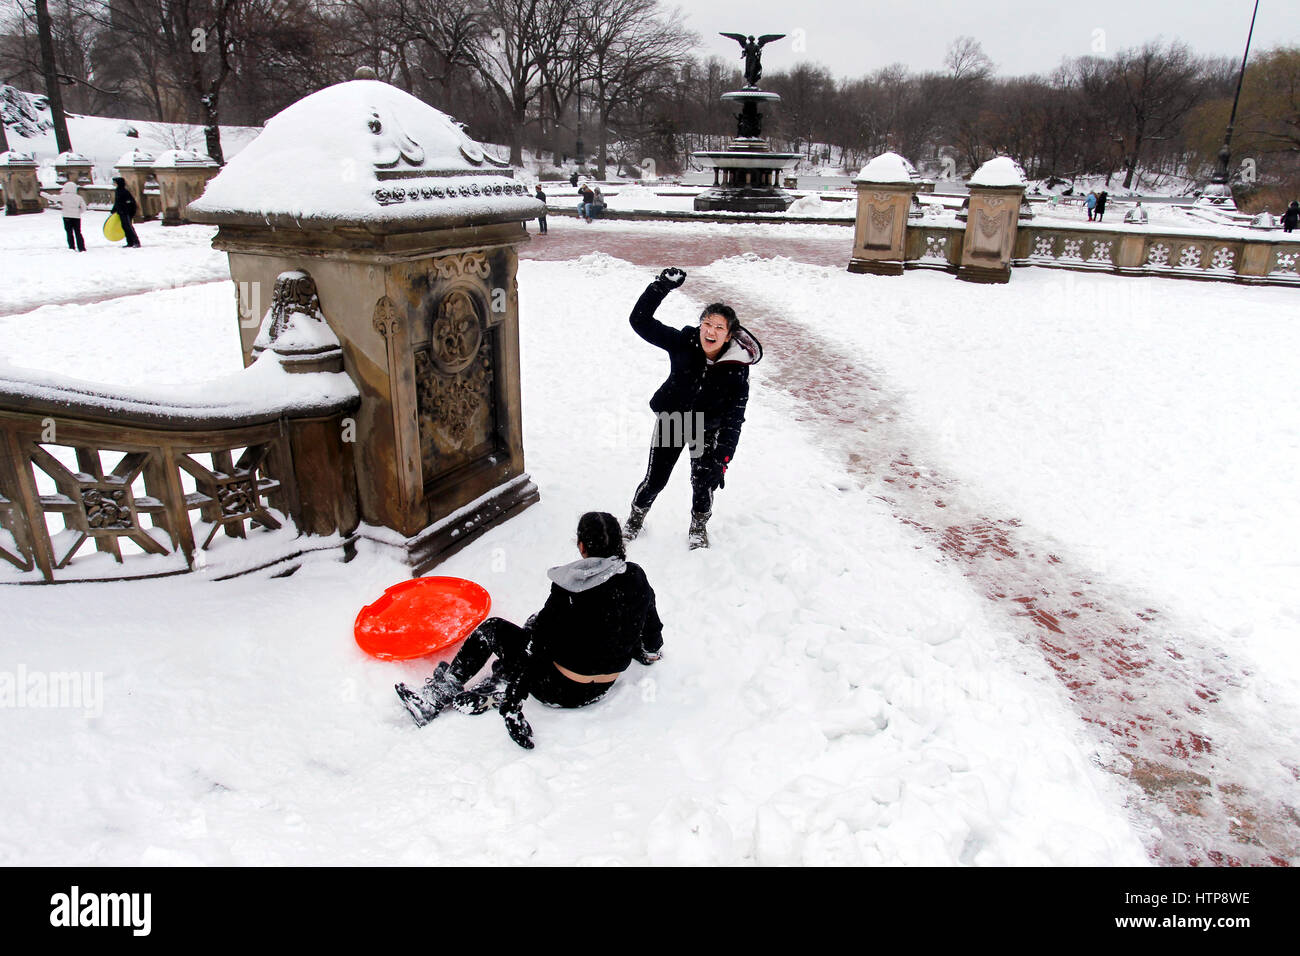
x=577 y=147
x=1218 y=192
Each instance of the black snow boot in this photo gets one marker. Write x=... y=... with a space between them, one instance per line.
x=483 y=696
x=632 y=526
x=438 y=692
x=520 y=731
x=698 y=536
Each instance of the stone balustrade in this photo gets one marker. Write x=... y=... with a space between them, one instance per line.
x=994 y=239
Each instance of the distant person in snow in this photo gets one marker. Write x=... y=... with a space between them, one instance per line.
x=541 y=220
x=585 y=198
x=597 y=204
x=1091 y=202
x=1101 y=204
x=700 y=406
x=73 y=207
x=124 y=206
x=599 y=617
x=1291 y=218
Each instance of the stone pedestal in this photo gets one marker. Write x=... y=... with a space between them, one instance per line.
x=996 y=192
x=136 y=167
x=887 y=189
x=324 y=476
x=182 y=175
x=746 y=174
x=76 y=167
x=409 y=232
x=22 y=189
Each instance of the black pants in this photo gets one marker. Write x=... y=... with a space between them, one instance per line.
x=131 y=238
x=73 y=228
x=666 y=446
x=541 y=224
x=521 y=667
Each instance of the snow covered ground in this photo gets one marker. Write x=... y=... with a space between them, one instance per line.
x=831 y=692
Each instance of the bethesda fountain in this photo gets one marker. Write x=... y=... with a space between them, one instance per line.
x=746 y=175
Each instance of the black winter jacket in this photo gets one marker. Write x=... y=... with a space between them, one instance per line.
x=123 y=203
x=720 y=390
x=600 y=613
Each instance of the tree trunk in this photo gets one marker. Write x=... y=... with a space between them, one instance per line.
x=212 y=128
x=602 y=144
x=52 y=91
x=1132 y=162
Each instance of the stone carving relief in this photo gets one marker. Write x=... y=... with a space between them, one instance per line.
x=386 y=321
x=466 y=264
x=880 y=227
x=295 y=292
x=988 y=234
x=107 y=508
x=455 y=377
x=456 y=332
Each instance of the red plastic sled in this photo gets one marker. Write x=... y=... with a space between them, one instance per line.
x=419 y=617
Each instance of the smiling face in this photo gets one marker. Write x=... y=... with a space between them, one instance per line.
x=714 y=334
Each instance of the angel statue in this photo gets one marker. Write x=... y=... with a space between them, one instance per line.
x=753 y=52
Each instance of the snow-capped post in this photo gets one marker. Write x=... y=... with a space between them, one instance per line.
x=75 y=166
x=136 y=167
x=182 y=174
x=887 y=189
x=296 y=332
x=408 y=229
x=22 y=189
x=996 y=191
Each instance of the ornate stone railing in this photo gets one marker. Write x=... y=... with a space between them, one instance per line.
x=1271 y=260
x=152 y=477
x=1274 y=261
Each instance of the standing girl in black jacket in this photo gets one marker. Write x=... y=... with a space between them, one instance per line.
x=600 y=617
x=700 y=406
x=125 y=207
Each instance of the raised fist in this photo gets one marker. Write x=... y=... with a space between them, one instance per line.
x=671 y=278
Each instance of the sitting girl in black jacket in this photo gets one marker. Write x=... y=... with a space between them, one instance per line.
x=600 y=616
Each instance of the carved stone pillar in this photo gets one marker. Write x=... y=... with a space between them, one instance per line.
x=886 y=191
x=182 y=174
x=408 y=228
x=996 y=192
x=136 y=167
x=74 y=166
x=22 y=189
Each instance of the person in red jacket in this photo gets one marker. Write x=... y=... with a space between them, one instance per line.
x=700 y=406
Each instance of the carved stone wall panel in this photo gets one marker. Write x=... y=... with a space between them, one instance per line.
x=456 y=411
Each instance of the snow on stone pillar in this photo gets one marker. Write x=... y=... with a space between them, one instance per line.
x=409 y=231
x=294 y=330
x=136 y=167
x=996 y=192
x=886 y=191
x=74 y=166
x=182 y=174
x=22 y=190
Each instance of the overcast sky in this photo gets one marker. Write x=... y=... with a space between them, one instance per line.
x=855 y=37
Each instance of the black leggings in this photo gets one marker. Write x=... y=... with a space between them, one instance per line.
x=128 y=230
x=519 y=667
x=73 y=228
x=666 y=446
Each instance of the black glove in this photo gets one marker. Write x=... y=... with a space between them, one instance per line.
x=713 y=472
x=670 y=279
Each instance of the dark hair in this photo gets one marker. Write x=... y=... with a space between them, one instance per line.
x=726 y=311
x=600 y=534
